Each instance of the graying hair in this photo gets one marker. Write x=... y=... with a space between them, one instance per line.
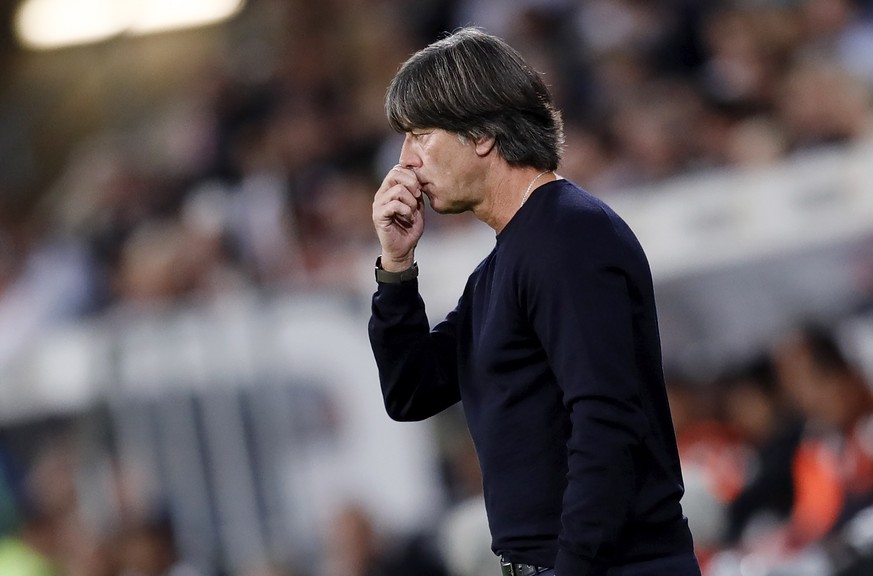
x=476 y=85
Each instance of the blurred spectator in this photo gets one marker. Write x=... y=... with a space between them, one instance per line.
x=45 y=279
x=27 y=552
x=464 y=539
x=149 y=549
x=822 y=104
x=755 y=406
x=840 y=31
x=746 y=45
x=714 y=460
x=336 y=225
x=648 y=130
x=50 y=539
x=174 y=260
x=833 y=468
x=355 y=547
x=757 y=141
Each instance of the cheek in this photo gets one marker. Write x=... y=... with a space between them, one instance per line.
x=436 y=158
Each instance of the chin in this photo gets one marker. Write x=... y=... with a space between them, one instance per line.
x=448 y=209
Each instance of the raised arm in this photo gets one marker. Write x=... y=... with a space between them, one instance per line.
x=417 y=365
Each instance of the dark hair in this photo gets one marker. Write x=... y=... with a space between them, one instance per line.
x=757 y=373
x=476 y=85
x=825 y=349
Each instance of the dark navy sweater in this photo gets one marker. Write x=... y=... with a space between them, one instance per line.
x=554 y=351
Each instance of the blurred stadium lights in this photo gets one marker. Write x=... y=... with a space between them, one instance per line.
x=48 y=24
x=162 y=15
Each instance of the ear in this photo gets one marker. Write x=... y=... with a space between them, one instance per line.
x=485 y=145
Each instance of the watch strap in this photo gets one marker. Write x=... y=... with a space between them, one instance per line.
x=387 y=277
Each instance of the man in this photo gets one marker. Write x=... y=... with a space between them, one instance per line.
x=553 y=348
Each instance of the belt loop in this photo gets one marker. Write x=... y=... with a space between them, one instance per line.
x=506 y=568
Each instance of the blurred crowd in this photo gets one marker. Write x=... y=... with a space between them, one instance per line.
x=778 y=458
x=260 y=176
x=777 y=455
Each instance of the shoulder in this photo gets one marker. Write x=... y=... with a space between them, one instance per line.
x=571 y=220
x=570 y=243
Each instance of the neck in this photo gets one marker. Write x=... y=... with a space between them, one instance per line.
x=507 y=191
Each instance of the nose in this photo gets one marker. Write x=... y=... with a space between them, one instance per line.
x=409 y=158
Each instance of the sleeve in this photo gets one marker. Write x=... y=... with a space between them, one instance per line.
x=581 y=309
x=417 y=366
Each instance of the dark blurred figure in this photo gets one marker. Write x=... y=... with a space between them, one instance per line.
x=833 y=467
x=355 y=548
x=755 y=406
x=50 y=536
x=714 y=460
x=463 y=536
x=8 y=497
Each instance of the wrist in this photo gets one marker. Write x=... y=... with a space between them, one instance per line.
x=390 y=264
x=392 y=276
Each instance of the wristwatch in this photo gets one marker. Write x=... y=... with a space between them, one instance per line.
x=387 y=277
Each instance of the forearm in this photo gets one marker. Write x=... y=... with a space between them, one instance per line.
x=600 y=482
x=415 y=364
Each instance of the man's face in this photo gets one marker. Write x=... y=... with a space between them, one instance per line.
x=446 y=167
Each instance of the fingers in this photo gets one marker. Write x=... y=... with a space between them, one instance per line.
x=399 y=198
x=398 y=216
x=402 y=212
x=403 y=177
x=397 y=206
x=401 y=194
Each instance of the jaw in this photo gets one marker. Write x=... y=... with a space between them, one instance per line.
x=441 y=207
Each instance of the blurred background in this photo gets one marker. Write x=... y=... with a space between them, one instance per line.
x=186 y=262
